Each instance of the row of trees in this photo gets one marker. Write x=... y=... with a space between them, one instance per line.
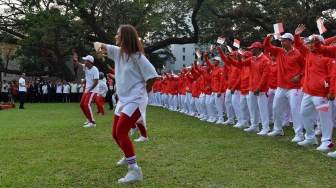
x=48 y=32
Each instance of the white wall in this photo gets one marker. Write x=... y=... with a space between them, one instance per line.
x=177 y=50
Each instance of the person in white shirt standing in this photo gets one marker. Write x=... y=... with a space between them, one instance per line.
x=91 y=89
x=74 y=92
x=22 y=90
x=102 y=94
x=135 y=77
x=66 y=92
x=45 y=92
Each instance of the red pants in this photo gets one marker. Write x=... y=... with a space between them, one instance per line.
x=85 y=105
x=142 y=129
x=121 y=126
x=100 y=104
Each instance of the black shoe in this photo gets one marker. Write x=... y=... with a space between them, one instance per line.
x=21 y=108
x=110 y=108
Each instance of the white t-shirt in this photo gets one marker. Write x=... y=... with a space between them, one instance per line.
x=73 y=88
x=90 y=76
x=22 y=81
x=45 y=89
x=102 y=87
x=131 y=76
x=80 y=88
x=66 y=89
x=59 y=89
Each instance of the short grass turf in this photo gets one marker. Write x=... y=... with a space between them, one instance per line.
x=45 y=145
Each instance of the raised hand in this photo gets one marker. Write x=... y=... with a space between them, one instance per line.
x=300 y=29
x=218 y=48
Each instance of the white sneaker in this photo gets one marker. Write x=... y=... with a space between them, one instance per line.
x=201 y=116
x=122 y=161
x=141 y=139
x=332 y=154
x=213 y=120
x=307 y=142
x=89 y=125
x=318 y=132
x=236 y=125
x=276 y=133
x=263 y=132
x=133 y=175
x=252 y=129
x=204 y=119
x=323 y=147
x=243 y=126
x=133 y=131
x=228 y=122
x=87 y=121
x=298 y=139
x=220 y=121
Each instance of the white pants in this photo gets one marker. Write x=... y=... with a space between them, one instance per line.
x=244 y=109
x=182 y=104
x=174 y=102
x=211 y=108
x=187 y=102
x=308 y=113
x=202 y=105
x=280 y=100
x=233 y=100
x=259 y=103
x=219 y=105
x=271 y=93
x=192 y=105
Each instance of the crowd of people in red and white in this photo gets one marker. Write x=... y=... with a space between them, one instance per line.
x=263 y=85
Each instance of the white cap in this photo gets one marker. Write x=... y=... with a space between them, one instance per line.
x=217 y=58
x=287 y=36
x=89 y=58
x=320 y=37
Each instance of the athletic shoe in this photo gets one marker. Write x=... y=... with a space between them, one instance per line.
x=141 y=139
x=263 y=132
x=87 y=121
x=252 y=129
x=243 y=126
x=228 y=122
x=332 y=154
x=220 y=121
x=90 y=124
x=133 y=131
x=204 y=119
x=298 y=139
x=307 y=142
x=318 y=131
x=323 y=147
x=236 y=125
x=276 y=133
x=133 y=175
x=102 y=114
x=122 y=161
x=212 y=120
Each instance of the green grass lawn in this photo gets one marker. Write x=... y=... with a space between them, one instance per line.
x=47 y=146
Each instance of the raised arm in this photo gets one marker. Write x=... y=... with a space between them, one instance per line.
x=75 y=60
x=269 y=47
x=298 y=44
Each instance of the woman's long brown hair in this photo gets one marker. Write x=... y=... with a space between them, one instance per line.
x=130 y=42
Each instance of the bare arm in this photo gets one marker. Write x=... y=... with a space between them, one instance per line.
x=75 y=60
x=150 y=83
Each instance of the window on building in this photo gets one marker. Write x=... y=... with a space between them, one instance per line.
x=183 y=49
x=183 y=58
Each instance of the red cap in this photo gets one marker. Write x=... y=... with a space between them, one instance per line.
x=255 y=45
x=247 y=54
x=234 y=53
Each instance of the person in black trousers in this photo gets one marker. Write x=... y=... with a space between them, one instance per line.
x=22 y=90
